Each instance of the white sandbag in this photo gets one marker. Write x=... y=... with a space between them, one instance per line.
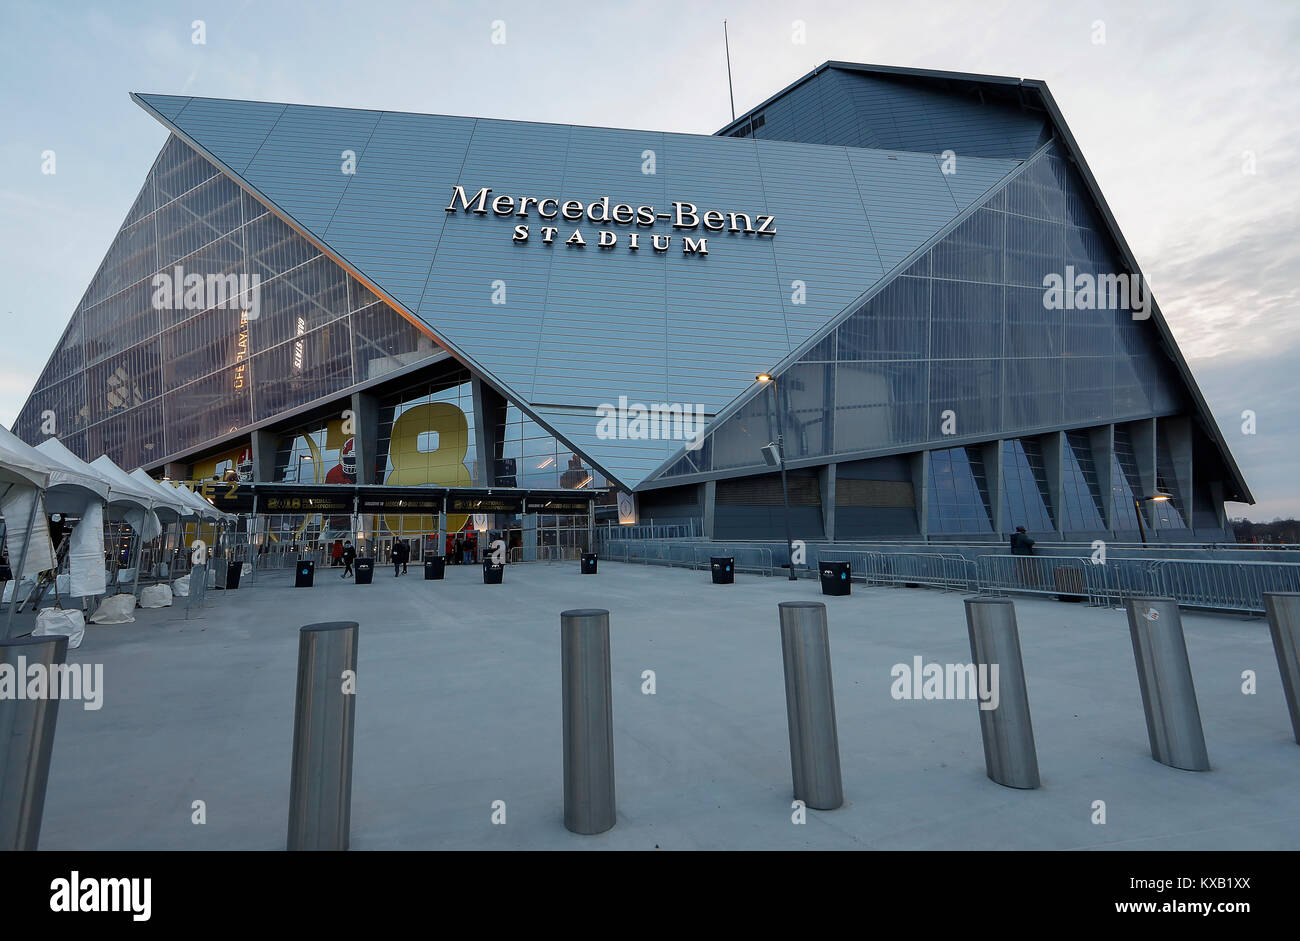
x=212 y=577
x=181 y=587
x=25 y=589
x=126 y=576
x=117 y=609
x=60 y=621
x=156 y=596
x=161 y=570
x=64 y=584
x=246 y=570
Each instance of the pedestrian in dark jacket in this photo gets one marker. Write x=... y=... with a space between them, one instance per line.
x=400 y=554
x=1021 y=544
x=349 y=556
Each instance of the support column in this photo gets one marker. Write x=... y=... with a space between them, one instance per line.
x=365 y=435
x=710 y=501
x=1220 y=511
x=489 y=414
x=920 y=466
x=826 y=484
x=1053 y=448
x=1143 y=435
x=264 y=444
x=1177 y=434
x=1102 y=442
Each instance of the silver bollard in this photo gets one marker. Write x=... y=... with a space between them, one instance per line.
x=810 y=705
x=1283 y=608
x=1168 y=695
x=588 y=721
x=320 y=786
x=27 y=739
x=1010 y=757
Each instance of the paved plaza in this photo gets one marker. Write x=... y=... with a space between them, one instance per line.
x=459 y=706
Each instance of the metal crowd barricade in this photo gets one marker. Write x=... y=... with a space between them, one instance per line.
x=932 y=569
x=1033 y=575
x=1224 y=586
x=1198 y=583
x=866 y=567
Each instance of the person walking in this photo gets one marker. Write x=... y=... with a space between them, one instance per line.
x=336 y=553
x=348 y=556
x=399 y=557
x=1022 y=545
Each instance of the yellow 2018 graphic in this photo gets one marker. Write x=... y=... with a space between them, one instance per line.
x=445 y=465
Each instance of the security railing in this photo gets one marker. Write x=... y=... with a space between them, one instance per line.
x=1214 y=585
x=692 y=555
x=544 y=554
x=932 y=570
x=1199 y=583
x=1034 y=575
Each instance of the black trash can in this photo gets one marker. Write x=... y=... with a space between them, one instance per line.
x=305 y=574
x=435 y=569
x=836 y=578
x=589 y=563
x=492 y=572
x=365 y=571
x=724 y=569
x=232 y=575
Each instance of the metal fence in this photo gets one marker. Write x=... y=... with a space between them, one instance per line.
x=929 y=569
x=1197 y=583
x=544 y=553
x=693 y=555
x=1035 y=575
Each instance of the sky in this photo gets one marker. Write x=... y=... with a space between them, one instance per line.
x=1187 y=112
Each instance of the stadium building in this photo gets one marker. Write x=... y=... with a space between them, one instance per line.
x=959 y=338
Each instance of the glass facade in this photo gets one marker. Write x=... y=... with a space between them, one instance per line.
x=1126 y=483
x=958 y=498
x=1171 y=513
x=531 y=457
x=426 y=434
x=1080 y=489
x=139 y=375
x=967 y=334
x=1026 y=499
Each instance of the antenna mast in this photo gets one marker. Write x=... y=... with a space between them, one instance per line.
x=730 y=92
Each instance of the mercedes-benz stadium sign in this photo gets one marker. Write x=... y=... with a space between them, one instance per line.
x=684 y=215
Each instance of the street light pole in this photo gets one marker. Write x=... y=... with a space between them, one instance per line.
x=1142 y=532
x=1157 y=497
x=780 y=450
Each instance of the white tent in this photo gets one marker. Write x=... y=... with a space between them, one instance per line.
x=70 y=490
x=126 y=501
x=208 y=511
x=124 y=484
x=25 y=479
x=119 y=499
x=22 y=467
x=170 y=503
